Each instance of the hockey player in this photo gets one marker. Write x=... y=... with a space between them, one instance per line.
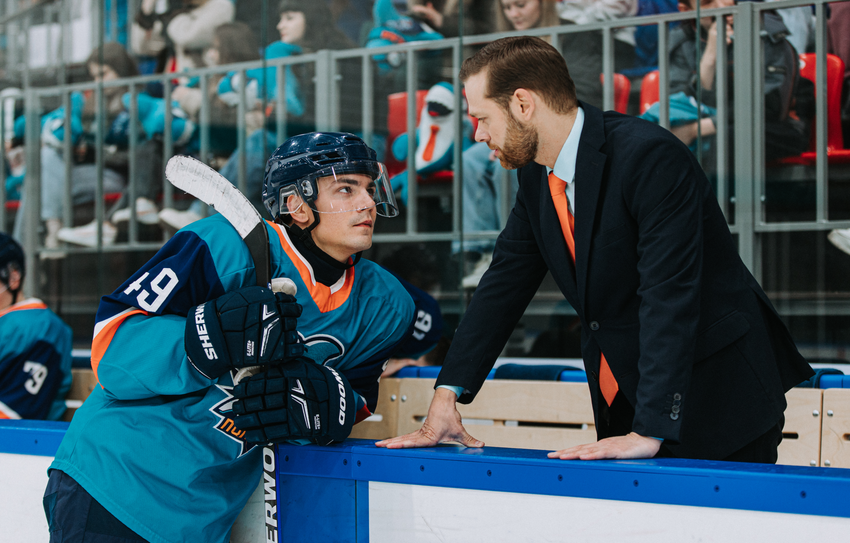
x=165 y=449
x=35 y=346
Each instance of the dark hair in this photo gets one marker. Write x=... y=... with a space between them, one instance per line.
x=236 y=43
x=523 y=62
x=319 y=30
x=116 y=57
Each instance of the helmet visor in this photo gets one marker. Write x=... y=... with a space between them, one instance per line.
x=343 y=189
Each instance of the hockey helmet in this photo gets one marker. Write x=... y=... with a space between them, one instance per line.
x=295 y=167
x=11 y=257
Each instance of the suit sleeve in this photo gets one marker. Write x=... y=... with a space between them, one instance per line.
x=667 y=203
x=138 y=347
x=500 y=300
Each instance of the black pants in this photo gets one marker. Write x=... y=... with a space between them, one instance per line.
x=73 y=516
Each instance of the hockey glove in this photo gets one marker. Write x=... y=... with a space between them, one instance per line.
x=296 y=400
x=247 y=327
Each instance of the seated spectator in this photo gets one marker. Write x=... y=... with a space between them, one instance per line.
x=646 y=37
x=108 y=63
x=179 y=34
x=231 y=43
x=35 y=346
x=525 y=14
x=443 y=16
x=304 y=28
x=786 y=128
x=116 y=63
x=583 y=50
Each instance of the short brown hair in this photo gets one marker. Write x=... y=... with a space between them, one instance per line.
x=523 y=62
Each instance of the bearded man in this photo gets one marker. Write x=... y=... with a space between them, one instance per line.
x=685 y=355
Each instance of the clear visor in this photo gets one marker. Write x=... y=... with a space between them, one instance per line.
x=341 y=190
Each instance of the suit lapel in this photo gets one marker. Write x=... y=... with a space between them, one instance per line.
x=590 y=165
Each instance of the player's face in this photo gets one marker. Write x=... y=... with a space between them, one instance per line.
x=342 y=234
x=292 y=26
x=515 y=143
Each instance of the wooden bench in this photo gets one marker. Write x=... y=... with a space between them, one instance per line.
x=555 y=415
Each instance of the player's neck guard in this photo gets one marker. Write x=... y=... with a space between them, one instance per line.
x=326 y=268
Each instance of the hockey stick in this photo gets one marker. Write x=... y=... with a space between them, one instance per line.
x=212 y=188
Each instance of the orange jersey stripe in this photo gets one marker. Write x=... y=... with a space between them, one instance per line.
x=326 y=298
x=26 y=304
x=104 y=332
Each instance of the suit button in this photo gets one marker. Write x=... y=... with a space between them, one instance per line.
x=677 y=396
x=675 y=409
x=594 y=325
x=674 y=416
x=593 y=376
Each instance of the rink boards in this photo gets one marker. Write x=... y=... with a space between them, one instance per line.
x=357 y=492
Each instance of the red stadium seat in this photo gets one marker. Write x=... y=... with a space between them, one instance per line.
x=622 y=88
x=835 y=151
x=649 y=91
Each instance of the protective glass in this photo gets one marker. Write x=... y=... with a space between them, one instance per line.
x=345 y=189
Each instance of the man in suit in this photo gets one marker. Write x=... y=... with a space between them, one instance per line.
x=684 y=353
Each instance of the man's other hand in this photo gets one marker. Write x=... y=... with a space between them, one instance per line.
x=442 y=425
x=621 y=447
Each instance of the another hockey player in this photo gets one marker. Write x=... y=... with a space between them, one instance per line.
x=35 y=346
x=165 y=448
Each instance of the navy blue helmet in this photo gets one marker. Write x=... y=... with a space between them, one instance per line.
x=296 y=166
x=12 y=254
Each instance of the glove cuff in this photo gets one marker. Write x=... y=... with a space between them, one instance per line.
x=201 y=335
x=342 y=407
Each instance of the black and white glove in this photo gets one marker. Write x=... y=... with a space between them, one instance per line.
x=251 y=326
x=297 y=400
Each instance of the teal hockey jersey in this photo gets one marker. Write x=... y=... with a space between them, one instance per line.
x=35 y=362
x=155 y=443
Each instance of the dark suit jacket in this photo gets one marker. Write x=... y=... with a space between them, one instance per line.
x=695 y=345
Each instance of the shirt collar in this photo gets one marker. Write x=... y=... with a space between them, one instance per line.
x=565 y=165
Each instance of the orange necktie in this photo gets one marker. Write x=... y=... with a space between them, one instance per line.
x=607 y=383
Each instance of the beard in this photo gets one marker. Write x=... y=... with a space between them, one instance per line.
x=520 y=144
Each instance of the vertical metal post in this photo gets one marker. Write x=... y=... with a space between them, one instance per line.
x=323 y=94
x=133 y=233
x=412 y=181
x=3 y=164
x=334 y=91
x=744 y=107
x=663 y=77
x=756 y=68
x=167 y=144
x=366 y=98
x=721 y=86
x=608 y=69
x=204 y=119
x=32 y=188
x=26 y=53
x=68 y=162
x=241 y=129
x=280 y=108
x=458 y=181
x=821 y=116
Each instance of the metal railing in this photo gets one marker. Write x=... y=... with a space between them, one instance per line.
x=745 y=211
